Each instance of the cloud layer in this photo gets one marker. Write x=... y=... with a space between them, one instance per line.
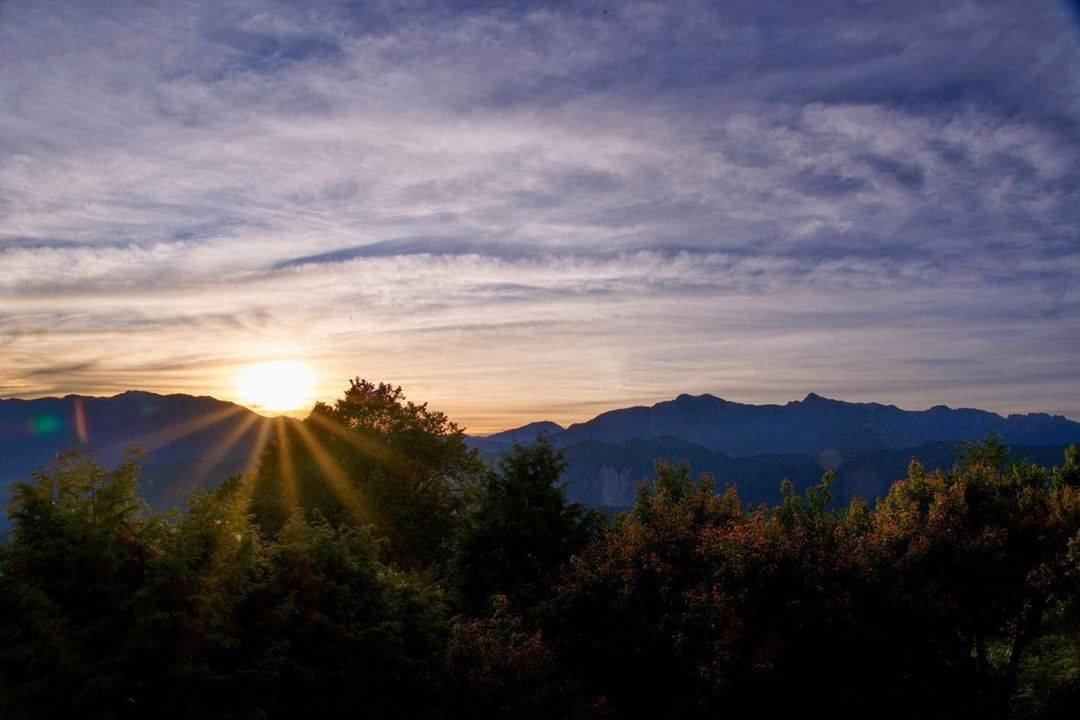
x=542 y=210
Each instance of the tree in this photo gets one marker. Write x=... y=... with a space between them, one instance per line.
x=964 y=561
x=957 y=595
x=347 y=635
x=502 y=669
x=632 y=611
x=110 y=611
x=521 y=531
x=72 y=575
x=991 y=452
x=373 y=458
x=1069 y=472
x=197 y=637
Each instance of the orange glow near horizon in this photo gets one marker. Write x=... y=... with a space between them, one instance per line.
x=279 y=386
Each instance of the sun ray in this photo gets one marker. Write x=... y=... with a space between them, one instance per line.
x=248 y=476
x=221 y=449
x=338 y=479
x=260 y=444
x=177 y=431
x=289 y=492
x=369 y=446
x=229 y=540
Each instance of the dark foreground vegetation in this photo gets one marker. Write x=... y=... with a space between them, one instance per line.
x=374 y=567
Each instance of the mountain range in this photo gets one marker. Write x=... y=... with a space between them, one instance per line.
x=198 y=441
x=191 y=441
x=812 y=425
x=868 y=445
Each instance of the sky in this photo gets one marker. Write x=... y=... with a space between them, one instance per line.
x=523 y=211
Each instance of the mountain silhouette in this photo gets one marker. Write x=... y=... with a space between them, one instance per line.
x=191 y=441
x=198 y=441
x=525 y=434
x=813 y=425
x=868 y=445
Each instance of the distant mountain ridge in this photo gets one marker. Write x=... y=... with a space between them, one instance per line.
x=869 y=445
x=525 y=434
x=198 y=441
x=191 y=440
x=813 y=425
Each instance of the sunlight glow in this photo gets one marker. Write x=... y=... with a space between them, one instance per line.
x=247 y=477
x=289 y=491
x=278 y=386
x=221 y=448
x=346 y=491
x=172 y=433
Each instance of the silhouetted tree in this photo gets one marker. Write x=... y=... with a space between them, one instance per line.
x=197 y=637
x=956 y=596
x=1069 y=472
x=373 y=458
x=348 y=636
x=520 y=532
x=71 y=580
x=502 y=669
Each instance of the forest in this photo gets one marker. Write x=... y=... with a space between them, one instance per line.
x=372 y=565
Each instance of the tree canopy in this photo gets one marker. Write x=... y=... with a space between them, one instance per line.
x=375 y=567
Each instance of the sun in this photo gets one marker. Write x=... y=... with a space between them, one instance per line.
x=277 y=386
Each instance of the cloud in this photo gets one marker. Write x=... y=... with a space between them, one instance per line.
x=613 y=203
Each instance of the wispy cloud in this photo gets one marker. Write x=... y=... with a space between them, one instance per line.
x=520 y=210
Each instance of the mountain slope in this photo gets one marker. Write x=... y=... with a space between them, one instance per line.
x=525 y=434
x=198 y=441
x=209 y=437
x=813 y=425
x=608 y=474
x=869 y=445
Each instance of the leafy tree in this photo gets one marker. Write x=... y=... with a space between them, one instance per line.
x=630 y=611
x=71 y=578
x=501 y=669
x=348 y=636
x=991 y=451
x=521 y=531
x=928 y=604
x=966 y=562
x=957 y=595
x=197 y=636
x=1069 y=472
x=373 y=458
x=110 y=611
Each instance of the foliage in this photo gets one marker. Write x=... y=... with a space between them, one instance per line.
x=375 y=459
x=109 y=611
x=72 y=574
x=351 y=636
x=501 y=669
x=520 y=531
x=692 y=604
x=376 y=569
